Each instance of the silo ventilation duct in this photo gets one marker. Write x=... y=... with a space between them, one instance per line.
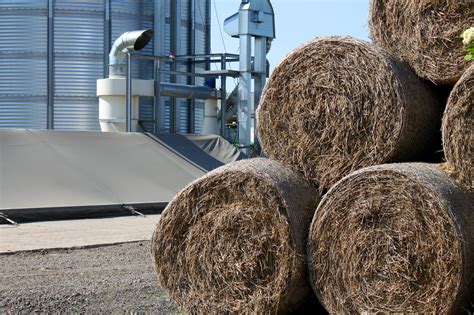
x=128 y=42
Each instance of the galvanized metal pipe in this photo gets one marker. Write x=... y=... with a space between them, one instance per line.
x=156 y=99
x=127 y=42
x=128 y=116
x=107 y=36
x=50 y=74
x=187 y=91
x=174 y=43
x=192 y=79
x=223 y=96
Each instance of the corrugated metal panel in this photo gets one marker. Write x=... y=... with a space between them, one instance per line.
x=23 y=4
x=137 y=7
x=23 y=64
x=146 y=112
x=76 y=113
x=23 y=75
x=199 y=114
x=202 y=15
x=78 y=63
x=81 y=5
x=23 y=31
x=183 y=113
x=79 y=32
x=76 y=75
x=30 y=113
x=167 y=114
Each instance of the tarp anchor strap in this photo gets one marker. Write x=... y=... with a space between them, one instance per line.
x=133 y=211
x=3 y=216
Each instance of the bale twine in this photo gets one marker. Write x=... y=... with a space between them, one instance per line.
x=234 y=241
x=337 y=104
x=457 y=130
x=425 y=34
x=395 y=239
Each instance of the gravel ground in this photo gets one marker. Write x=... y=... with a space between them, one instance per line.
x=108 y=279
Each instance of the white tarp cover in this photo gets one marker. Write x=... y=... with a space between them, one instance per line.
x=54 y=174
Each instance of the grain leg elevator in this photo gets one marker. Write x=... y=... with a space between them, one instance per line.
x=255 y=20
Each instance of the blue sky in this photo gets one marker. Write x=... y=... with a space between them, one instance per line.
x=297 y=21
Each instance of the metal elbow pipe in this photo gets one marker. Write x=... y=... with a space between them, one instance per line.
x=127 y=42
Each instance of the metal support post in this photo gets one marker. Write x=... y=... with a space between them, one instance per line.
x=223 y=96
x=129 y=94
x=192 y=67
x=245 y=88
x=174 y=45
x=158 y=110
x=159 y=44
x=107 y=36
x=50 y=93
x=260 y=76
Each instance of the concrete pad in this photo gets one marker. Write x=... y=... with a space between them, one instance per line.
x=76 y=233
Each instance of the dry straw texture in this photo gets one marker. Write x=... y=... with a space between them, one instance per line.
x=234 y=240
x=338 y=104
x=395 y=239
x=425 y=34
x=458 y=136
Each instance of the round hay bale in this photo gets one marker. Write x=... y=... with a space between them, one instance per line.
x=234 y=241
x=425 y=34
x=457 y=130
x=395 y=239
x=337 y=104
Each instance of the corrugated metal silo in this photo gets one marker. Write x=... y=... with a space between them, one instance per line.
x=53 y=51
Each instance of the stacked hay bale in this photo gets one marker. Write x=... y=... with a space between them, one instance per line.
x=425 y=34
x=234 y=240
x=458 y=135
x=392 y=238
x=337 y=104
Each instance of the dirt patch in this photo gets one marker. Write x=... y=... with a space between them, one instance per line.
x=108 y=279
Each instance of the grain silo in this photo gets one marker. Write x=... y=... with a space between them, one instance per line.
x=53 y=51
